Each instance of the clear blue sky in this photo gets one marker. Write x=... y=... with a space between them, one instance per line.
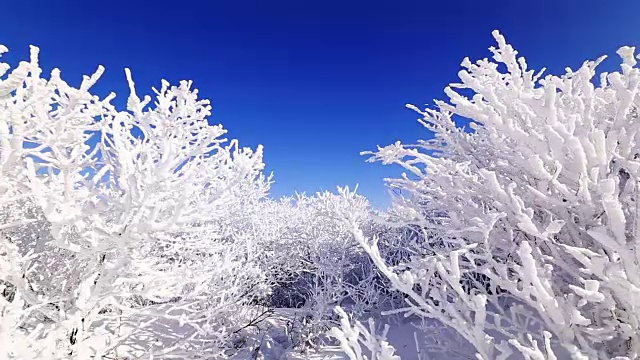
x=315 y=82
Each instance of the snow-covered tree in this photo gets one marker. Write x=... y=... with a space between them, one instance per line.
x=530 y=217
x=114 y=223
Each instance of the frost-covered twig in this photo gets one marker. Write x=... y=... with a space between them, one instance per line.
x=352 y=338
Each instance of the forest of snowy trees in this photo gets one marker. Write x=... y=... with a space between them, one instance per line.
x=144 y=233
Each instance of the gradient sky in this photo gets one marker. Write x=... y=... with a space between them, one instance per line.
x=315 y=82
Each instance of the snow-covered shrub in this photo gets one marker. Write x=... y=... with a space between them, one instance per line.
x=114 y=223
x=335 y=271
x=315 y=261
x=536 y=205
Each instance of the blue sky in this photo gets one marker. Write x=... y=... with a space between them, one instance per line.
x=315 y=82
